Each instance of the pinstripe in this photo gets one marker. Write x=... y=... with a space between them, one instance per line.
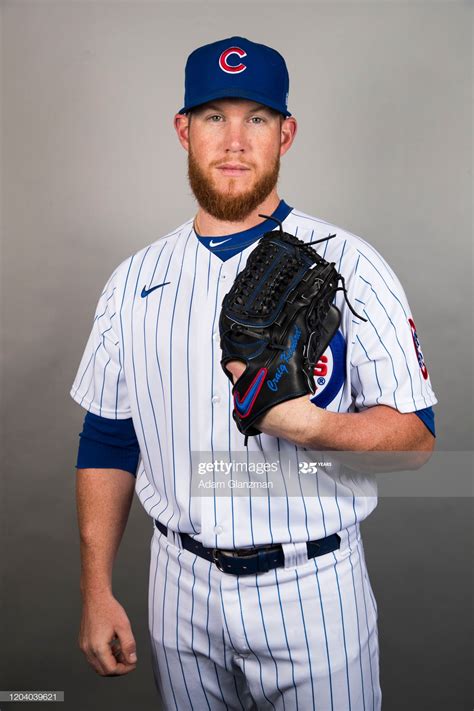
x=367 y=627
x=92 y=380
x=192 y=635
x=325 y=631
x=342 y=254
x=229 y=418
x=305 y=637
x=361 y=386
x=177 y=633
x=212 y=385
x=343 y=631
x=389 y=355
x=226 y=626
x=139 y=410
x=286 y=637
x=188 y=370
x=357 y=608
x=369 y=587
x=250 y=504
x=238 y=695
x=249 y=647
x=93 y=357
x=207 y=614
x=336 y=499
x=77 y=389
x=269 y=500
x=103 y=385
x=375 y=367
x=323 y=517
x=165 y=491
x=266 y=641
x=163 y=622
x=121 y=353
x=148 y=380
x=171 y=376
x=283 y=478
x=208 y=270
x=308 y=537
x=151 y=606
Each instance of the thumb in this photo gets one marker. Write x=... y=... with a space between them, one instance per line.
x=236 y=368
x=128 y=646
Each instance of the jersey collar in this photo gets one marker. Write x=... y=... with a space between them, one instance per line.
x=228 y=246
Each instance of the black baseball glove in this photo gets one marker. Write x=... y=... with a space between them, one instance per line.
x=278 y=319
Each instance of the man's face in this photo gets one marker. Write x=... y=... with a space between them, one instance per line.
x=233 y=156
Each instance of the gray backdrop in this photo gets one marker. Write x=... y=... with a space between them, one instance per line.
x=92 y=171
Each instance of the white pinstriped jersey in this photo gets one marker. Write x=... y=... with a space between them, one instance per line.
x=157 y=359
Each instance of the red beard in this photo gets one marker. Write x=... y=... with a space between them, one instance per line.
x=225 y=206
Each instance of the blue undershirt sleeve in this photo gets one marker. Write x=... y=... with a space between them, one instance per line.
x=427 y=416
x=108 y=444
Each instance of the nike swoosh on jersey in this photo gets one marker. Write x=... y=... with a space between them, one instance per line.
x=146 y=291
x=217 y=244
x=244 y=405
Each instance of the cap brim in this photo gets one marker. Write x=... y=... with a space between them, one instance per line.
x=236 y=93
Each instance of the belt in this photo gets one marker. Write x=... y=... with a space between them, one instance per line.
x=249 y=561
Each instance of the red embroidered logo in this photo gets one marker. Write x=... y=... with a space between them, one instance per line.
x=418 y=351
x=232 y=68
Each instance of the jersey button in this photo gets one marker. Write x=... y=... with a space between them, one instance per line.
x=216 y=398
x=218 y=529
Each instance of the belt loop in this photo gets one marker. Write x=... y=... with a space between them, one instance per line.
x=174 y=538
x=295 y=554
x=263 y=561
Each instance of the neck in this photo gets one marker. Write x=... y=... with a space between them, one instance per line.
x=210 y=226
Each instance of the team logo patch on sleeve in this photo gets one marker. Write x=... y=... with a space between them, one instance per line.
x=418 y=351
x=330 y=371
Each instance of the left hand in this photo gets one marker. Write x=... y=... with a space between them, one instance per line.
x=236 y=368
x=275 y=421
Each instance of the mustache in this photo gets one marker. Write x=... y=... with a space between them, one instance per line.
x=217 y=164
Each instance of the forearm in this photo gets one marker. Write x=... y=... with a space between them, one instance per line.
x=379 y=428
x=104 y=498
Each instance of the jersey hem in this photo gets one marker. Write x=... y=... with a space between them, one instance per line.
x=406 y=407
x=99 y=411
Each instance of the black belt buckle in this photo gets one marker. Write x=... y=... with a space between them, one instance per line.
x=252 y=552
x=215 y=559
x=256 y=554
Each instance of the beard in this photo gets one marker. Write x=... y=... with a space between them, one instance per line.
x=227 y=206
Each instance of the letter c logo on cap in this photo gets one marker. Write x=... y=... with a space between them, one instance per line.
x=229 y=68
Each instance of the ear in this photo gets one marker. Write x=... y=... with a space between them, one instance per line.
x=181 y=125
x=287 y=134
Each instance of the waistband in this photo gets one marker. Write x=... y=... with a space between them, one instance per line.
x=249 y=561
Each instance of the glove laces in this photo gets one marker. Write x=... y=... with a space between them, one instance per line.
x=302 y=245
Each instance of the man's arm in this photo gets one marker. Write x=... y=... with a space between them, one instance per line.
x=104 y=498
x=379 y=428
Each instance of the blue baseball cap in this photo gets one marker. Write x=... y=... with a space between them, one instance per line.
x=236 y=67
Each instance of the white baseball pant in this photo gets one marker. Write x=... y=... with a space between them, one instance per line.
x=299 y=637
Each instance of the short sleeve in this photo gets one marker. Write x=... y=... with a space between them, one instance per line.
x=387 y=364
x=99 y=385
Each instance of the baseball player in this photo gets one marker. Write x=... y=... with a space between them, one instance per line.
x=256 y=601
